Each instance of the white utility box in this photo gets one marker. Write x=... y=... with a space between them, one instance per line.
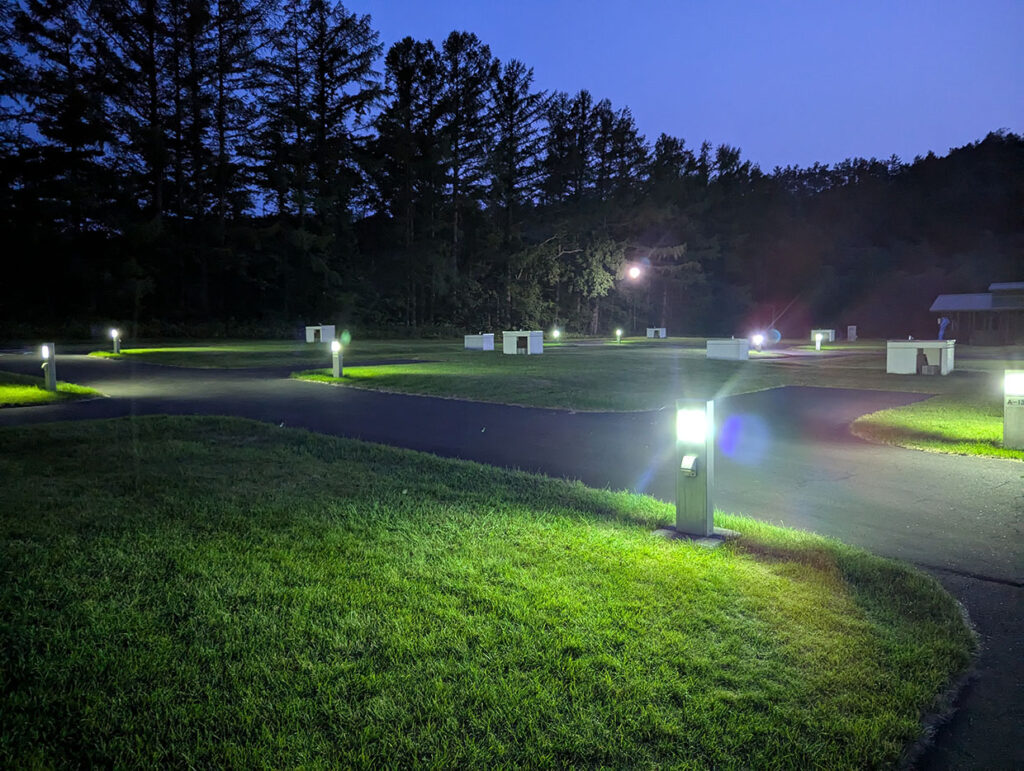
x=919 y=357
x=655 y=331
x=320 y=333
x=827 y=335
x=522 y=342
x=480 y=342
x=851 y=332
x=731 y=348
x=1013 y=409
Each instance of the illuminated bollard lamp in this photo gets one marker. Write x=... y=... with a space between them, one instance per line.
x=336 y=358
x=1013 y=409
x=817 y=341
x=115 y=337
x=49 y=354
x=695 y=475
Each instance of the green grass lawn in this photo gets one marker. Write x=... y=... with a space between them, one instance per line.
x=961 y=424
x=273 y=353
x=216 y=592
x=22 y=390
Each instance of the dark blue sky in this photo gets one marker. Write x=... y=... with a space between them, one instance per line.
x=788 y=82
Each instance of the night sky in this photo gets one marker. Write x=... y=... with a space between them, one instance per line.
x=787 y=82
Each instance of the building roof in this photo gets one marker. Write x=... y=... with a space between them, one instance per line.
x=962 y=302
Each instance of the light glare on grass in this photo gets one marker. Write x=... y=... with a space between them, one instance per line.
x=691 y=426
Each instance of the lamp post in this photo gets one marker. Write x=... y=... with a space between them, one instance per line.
x=49 y=354
x=115 y=337
x=817 y=341
x=758 y=341
x=618 y=335
x=336 y=358
x=1013 y=409
x=695 y=476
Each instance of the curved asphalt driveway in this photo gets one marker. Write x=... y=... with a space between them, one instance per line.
x=785 y=456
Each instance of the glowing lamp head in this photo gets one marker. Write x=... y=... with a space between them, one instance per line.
x=1013 y=383
x=691 y=426
x=758 y=339
x=46 y=352
x=618 y=333
x=114 y=334
x=634 y=272
x=817 y=337
x=335 y=346
x=556 y=334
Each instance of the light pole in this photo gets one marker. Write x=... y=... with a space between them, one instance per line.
x=49 y=354
x=618 y=335
x=817 y=341
x=115 y=337
x=336 y=358
x=695 y=476
x=1013 y=409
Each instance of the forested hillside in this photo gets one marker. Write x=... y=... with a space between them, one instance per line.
x=246 y=165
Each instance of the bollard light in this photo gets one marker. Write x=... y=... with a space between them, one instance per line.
x=618 y=335
x=695 y=450
x=115 y=336
x=336 y=361
x=757 y=340
x=49 y=354
x=556 y=333
x=817 y=341
x=1013 y=409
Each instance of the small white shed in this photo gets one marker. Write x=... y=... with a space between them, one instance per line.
x=737 y=349
x=522 y=342
x=827 y=335
x=919 y=357
x=481 y=342
x=655 y=331
x=320 y=333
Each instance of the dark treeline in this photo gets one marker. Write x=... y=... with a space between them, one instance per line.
x=258 y=163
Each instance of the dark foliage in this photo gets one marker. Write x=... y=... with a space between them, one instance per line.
x=174 y=163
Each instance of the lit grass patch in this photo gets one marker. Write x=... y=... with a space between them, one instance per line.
x=23 y=390
x=218 y=592
x=952 y=423
x=272 y=353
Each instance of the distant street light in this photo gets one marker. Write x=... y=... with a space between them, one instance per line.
x=49 y=354
x=634 y=272
x=618 y=335
x=757 y=340
x=115 y=336
x=336 y=358
x=556 y=333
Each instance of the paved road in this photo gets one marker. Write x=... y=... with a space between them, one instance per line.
x=785 y=455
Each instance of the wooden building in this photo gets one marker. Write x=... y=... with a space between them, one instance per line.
x=995 y=317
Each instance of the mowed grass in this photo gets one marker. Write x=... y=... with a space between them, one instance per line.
x=215 y=592
x=957 y=424
x=22 y=390
x=271 y=353
x=637 y=376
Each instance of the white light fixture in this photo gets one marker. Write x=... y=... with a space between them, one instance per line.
x=618 y=335
x=336 y=360
x=115 y=337
x=49 y=366
x=691 y=426
x=695 y=474
x=757 y=340
x=817 y=341
x=113 y=334
x=556 y=334
x=1013 y=382
x=335 y=346
x=634 y=272
x=1013 y=409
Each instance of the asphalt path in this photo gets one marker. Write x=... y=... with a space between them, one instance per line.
x=785 y=456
